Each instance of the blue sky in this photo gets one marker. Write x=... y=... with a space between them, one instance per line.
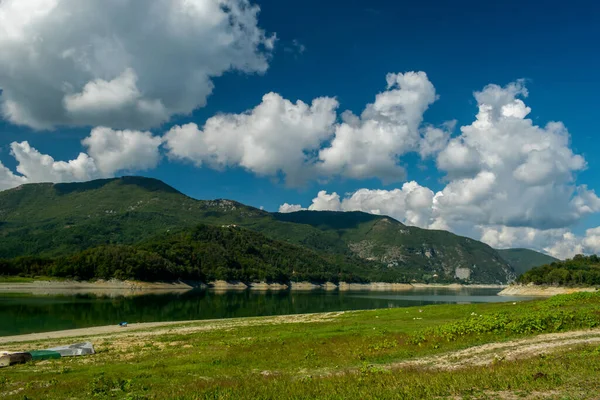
x=344 y=50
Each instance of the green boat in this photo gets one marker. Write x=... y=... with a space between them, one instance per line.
x=40 y=355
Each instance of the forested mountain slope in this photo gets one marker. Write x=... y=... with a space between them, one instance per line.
x=54 y=220
x=522 y=260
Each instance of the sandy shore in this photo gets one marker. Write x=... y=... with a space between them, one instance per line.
x=533 y=290
x=457 y=286
x=385 y=286
x=161 y=328
x=134 y=288
x=100 y=287
x=86 y=332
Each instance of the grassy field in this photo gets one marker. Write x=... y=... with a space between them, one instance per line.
x=540 y=349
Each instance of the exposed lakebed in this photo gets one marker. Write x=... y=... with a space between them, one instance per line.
x=24 y=313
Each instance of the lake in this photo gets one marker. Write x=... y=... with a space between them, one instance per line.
x=21 y=313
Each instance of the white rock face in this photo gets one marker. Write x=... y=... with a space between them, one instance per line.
x=462 y=273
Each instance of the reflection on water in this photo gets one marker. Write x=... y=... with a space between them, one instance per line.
x=21 y=314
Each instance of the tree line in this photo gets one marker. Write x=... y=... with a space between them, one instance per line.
x=578 y=271
x=205 y=253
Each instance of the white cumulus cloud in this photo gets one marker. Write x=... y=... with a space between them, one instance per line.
x=434 y=139
x=8 y=179
x=306 y=141
x=371 y=145
x=505 y=170
x=277 y=136
x=560 y=243
x=108 y=152
x=126 y=150
x=289 y=208
x=509 y=183
x=38 y=167
x=412 y=204
x=121 y=63
x=326 y=202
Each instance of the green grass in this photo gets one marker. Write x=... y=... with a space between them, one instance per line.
x=329 y=358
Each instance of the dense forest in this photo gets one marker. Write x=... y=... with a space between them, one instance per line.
x=579 y=271
x=206 y=253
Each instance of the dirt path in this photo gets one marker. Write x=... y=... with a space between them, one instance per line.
x=512 y=350
x=489 y=353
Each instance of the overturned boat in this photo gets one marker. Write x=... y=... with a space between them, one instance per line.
x=79 y=349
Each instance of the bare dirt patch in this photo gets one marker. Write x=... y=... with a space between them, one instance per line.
x=517 y=396
x=484 y=355
x=493 y=352
x=110 y=288
x=543 y=291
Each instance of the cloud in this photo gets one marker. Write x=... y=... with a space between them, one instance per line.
x=560 y=243
x=277 y=136
x=323 y=202
x=370 y=145
x=509 y=182
x=591 y=242
x=434 y=140
x=38 y=167
x=289 y=208
x=299 y=141
x=533 y=168
x=458 y=160
x=108 y=152
x=411 y=204
x=126 y=150
x=295 y=48
x=118 y=99
x=326 y=202
x=124 y=64
x=8 y=179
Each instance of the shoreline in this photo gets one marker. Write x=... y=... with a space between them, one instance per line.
x=100 y=287
x=167 y=327
x=542 y=291
x=118 y=288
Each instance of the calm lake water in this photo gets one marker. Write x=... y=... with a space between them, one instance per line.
x=20 y=314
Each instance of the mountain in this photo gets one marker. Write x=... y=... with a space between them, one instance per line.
x=58 y=219
x=383 y=239
x=54 y=220
x=522 y=260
